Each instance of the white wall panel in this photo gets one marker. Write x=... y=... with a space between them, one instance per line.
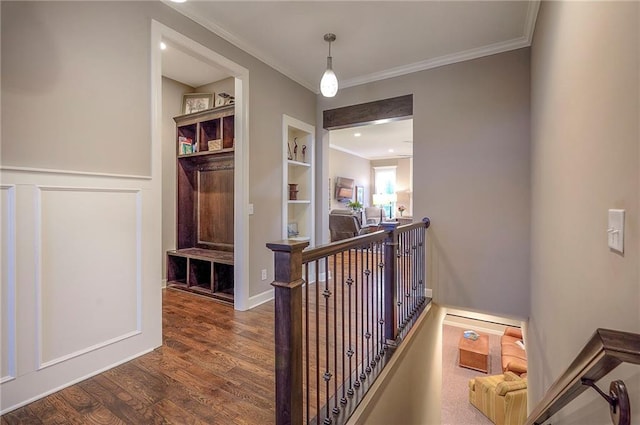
x=89 y=269
x=7 y=294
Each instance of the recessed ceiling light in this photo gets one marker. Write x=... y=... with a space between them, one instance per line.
x=391 y=150
x=163 y=45
x=178 y=1
x=357 y=135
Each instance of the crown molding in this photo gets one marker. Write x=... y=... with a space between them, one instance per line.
x=466 y=55
x=350 y=152
x=377 y=158
x=214 y=27
x=492 y=49
x=530 y=20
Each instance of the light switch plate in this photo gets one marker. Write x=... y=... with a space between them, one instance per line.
x=615 y=230
x=250 y=209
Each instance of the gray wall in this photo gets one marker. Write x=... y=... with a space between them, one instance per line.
x=585 y=160
x=399 y=396
x=76 y=96
x=342 y=164
x=223 y=86
x=471 y=175
x=75 y=92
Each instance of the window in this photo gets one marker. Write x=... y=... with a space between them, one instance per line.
x=385 y=183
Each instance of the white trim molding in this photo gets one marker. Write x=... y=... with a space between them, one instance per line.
x=241 y=133
x=466 y=55
x=38 y=226
x=261 y=298
x=9 y=315
x=217 y=29
x=75 y=381
x=492 y=49
x=73 y=172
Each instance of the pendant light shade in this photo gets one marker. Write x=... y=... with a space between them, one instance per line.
x=329 y=82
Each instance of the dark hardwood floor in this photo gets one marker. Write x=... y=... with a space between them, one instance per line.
x=216 y=366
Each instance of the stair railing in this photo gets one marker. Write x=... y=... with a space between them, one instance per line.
x=340 y=311
x=605 y=351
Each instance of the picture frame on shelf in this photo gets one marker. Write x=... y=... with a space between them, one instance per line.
x=196 y=102
x=292 y=230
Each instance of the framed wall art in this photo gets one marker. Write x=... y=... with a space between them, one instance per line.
x=196 y=102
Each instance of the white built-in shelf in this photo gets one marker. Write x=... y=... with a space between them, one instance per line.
x=300 y=238
x=301 y=164
x=298 y=214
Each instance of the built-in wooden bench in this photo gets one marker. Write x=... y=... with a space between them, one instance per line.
x=202 y=271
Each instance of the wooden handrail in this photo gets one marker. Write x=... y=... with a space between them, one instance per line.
x=603 y=352
x=357 y=315
x=322 y=251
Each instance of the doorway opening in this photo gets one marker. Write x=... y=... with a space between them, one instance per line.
x=379 y=159
x=187 y=67
x=370 y=147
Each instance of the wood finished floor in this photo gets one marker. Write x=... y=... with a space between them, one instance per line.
x=216 y=366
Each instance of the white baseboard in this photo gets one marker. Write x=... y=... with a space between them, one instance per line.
x=75 y=381
x=262 y=298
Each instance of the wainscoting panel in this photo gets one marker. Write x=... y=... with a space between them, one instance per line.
x=89 y=250
x=8 y=284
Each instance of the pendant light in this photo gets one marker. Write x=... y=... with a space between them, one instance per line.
x=329 y=82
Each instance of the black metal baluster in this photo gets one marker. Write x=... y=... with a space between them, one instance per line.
x=376 y=314
x=306 y=337
x=380 y=271
x=412 y=264
x=422 y=261
x=405 y=261
x=363 y=307
x=356 y=383
x=414 y=268
x=343 y=400
x=350 y=392
x=335 y=409
x=327 y=374
x=398 y=285
x=317 y=316
x=369 y=301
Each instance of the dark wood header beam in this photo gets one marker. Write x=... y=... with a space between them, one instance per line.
x=394 y=108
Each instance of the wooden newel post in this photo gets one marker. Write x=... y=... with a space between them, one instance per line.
x=288 y=330
x=389 y=283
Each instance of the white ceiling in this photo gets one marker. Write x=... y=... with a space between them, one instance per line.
x=187 y=69
x=375 y=39
x=388 y=140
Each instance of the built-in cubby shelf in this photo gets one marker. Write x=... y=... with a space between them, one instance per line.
x=203 y=259
x=298 y=216
x=202 y=271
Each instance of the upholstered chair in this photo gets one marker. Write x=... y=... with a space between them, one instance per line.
x=344 y=224
x=372 y=215
x=501 y=398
